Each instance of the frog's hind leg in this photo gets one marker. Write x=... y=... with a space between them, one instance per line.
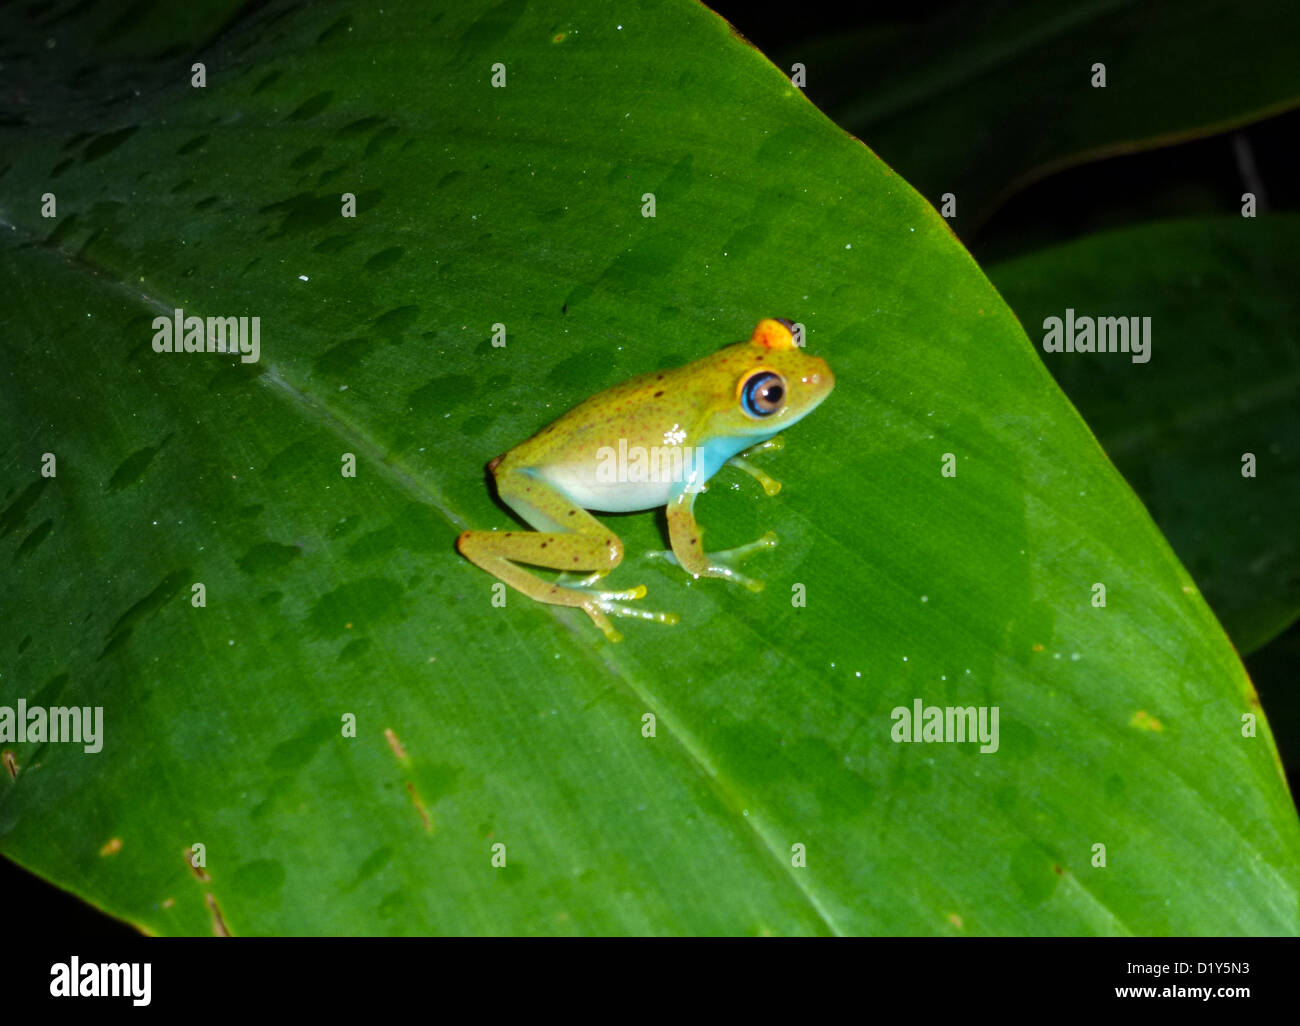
x=567 y=538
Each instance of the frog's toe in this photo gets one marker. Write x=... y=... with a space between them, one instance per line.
x=599 y=597
x=722 y=561
x=640 y=614
x=599 y=618
x=719 y=564
x=743 y=552
x=601 y=605
x=724 y=570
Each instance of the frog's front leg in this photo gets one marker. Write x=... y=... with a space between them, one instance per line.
x=568 y=538
x=684 y=533
x=741 y=462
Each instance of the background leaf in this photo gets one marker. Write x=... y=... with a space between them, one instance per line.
x=1222 y=381
x=989 y=97
x=521 y=725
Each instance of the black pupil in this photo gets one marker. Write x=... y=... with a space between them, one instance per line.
x=764 y=394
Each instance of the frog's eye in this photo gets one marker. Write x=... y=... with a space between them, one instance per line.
x=762 y=394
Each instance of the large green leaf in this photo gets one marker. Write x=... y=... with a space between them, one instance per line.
x=1222 y=382
x=480 y=725
x=988 y=98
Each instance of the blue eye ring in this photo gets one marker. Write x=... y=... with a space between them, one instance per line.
x=763 y=394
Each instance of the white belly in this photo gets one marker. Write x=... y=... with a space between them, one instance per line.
x=591 y=487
